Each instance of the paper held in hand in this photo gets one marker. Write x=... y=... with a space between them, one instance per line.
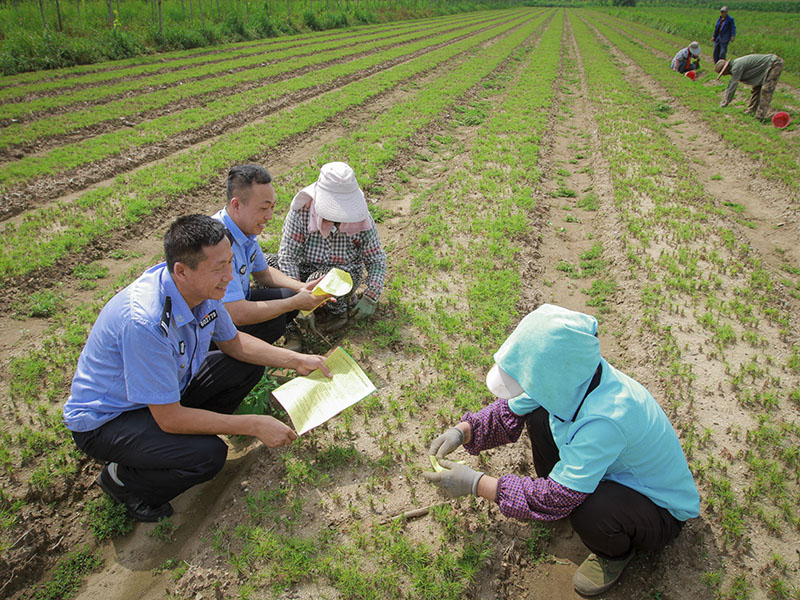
x=313 y=399
x=336 y=283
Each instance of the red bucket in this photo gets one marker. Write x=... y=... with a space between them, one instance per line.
x=691 y=75
x=781 y=119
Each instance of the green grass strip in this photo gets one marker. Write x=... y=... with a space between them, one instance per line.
x=49 y=234
x=121 y=68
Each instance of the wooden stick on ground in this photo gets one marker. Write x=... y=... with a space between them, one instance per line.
x=411 y=514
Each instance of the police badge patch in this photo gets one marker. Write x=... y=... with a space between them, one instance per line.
x=208 y=318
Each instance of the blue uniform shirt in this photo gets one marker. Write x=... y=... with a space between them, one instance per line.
x=247 y=258
x=144 y=348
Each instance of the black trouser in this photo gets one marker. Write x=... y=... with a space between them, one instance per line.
x=682 y=68
x=271 y=330
x=614 y=518
x=157 y=466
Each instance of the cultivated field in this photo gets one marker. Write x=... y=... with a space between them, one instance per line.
x=511 y=158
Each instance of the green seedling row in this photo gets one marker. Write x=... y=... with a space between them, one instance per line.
x=762 y=142
x=68 y=227
x=388 y=561
x=182 y=73
x=162 y=128
x=682 y=247
x=44 y=81
x=25 y=133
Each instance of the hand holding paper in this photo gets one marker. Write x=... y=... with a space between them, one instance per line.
x=336 y=283
x=312 y=400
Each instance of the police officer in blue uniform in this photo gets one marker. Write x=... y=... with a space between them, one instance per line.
x=265 y=311
x=148 y=398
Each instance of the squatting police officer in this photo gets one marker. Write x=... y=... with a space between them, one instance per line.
x=148 y=397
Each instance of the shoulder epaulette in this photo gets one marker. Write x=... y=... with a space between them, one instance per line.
x=166 y=315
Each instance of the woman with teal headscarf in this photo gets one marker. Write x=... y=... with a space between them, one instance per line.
x=605 y=453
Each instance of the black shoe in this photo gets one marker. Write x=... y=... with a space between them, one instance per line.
x=137 y=509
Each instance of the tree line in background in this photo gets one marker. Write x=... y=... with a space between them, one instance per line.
x=789 y=6
x=49 y=34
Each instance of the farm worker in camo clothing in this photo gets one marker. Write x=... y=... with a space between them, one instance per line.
x=329 y=225
x=682 y=61
x=760 y=71
x=724 y=34
x=605 y=453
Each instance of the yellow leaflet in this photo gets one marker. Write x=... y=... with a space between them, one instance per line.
x=336 y=283
x=437 y=467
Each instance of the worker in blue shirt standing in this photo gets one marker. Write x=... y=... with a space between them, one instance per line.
x=264 y=311
x=724 y=34
x=148 y=398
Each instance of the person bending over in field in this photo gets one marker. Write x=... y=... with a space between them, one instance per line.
x=148 y=398
x=264 y=311
x=605 y=453
x=761 y=72
x=682 y=61
x=329 y=225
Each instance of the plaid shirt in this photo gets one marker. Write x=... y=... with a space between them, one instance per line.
x=524 y=498
x=302 y=253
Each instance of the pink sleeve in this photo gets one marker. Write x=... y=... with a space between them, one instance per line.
x=539 y=499
x=493 y=426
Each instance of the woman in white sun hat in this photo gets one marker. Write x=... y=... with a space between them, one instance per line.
x=605 y=453
x=329 y=225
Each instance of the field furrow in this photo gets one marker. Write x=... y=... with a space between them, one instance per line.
x=21 y=94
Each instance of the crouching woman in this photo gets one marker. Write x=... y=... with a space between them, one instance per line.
x=605 y=453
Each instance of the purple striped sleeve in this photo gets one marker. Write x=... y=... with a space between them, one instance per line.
x=493 y=426
x=540 y=499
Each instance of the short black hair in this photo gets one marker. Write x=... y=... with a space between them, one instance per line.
x=186 y=238
x=243 y=176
